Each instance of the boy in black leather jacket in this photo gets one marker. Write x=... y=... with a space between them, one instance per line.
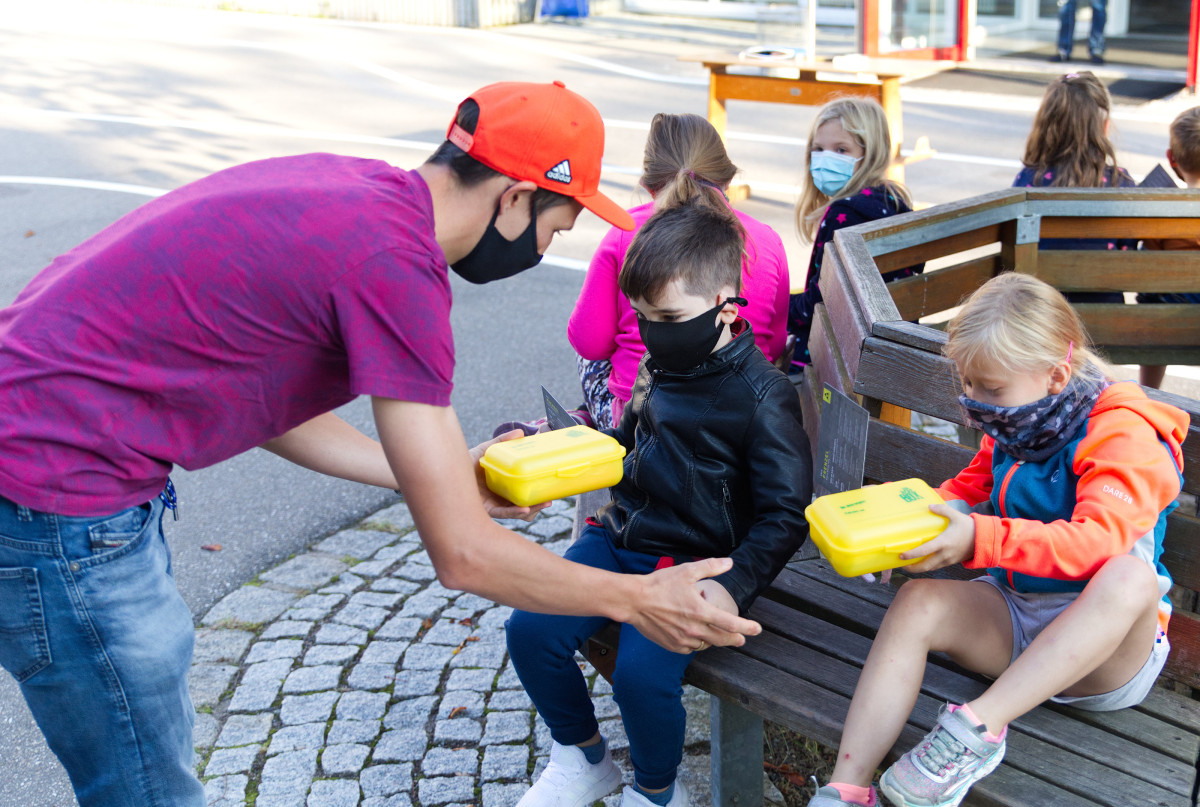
x=717 y=464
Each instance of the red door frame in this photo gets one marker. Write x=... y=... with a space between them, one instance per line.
x=1193 y=45
x=869 y=43
x=869 y=26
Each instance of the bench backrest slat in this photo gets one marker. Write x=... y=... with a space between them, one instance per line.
x=929 y=293
x=1140 y=270
x=1123 y=227
x=1130 y=326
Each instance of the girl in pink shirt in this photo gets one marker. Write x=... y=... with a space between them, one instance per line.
x=603 y=327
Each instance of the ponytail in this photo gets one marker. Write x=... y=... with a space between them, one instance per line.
x=686 y=166
x=687 y=188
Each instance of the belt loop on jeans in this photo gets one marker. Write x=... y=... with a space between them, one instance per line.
x=24 y=513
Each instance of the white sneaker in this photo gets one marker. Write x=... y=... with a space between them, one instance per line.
x=631 y=797
x=569 y=780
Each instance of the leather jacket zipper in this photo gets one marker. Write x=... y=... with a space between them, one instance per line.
x=725 y=505
x=651 y=437
x=637 y=464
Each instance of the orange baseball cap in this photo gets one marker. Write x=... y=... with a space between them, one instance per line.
x=546 y=134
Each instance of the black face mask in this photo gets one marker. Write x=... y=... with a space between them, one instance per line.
x=495 y=257
x=680 y=346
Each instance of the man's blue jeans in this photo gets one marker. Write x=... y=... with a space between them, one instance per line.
x=95 y=632
x=1066 y=26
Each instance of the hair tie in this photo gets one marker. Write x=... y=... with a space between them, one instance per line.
x=1069 y=76
x=708 y=184
x=1070 y=350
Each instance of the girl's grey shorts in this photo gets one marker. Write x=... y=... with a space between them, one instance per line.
x=1031 y=613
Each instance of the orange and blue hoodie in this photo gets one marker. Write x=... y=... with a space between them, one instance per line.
x=1107 y=492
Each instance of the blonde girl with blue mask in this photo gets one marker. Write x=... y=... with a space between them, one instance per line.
x=847 y=157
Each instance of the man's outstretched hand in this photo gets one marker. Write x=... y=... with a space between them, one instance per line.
x=671 y=611
x=497 y=506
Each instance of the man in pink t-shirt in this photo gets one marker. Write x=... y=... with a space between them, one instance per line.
x=238 y=311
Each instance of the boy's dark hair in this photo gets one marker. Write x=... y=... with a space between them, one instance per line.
x=700 y=242
x=1185 y=140
x=470 y=172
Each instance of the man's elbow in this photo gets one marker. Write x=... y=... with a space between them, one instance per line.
x=460 y=570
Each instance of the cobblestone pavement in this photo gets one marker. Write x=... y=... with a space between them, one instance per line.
x=348 y=675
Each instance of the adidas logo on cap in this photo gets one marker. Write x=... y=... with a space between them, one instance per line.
x=561 y=172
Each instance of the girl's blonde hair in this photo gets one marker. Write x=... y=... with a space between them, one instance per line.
x=864 y=120
x=1019 y=324
x=1067 y=146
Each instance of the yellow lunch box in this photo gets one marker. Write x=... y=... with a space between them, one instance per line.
x=553 y=464
x=865 y=530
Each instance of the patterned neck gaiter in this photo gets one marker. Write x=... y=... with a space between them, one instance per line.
x=1034 y=431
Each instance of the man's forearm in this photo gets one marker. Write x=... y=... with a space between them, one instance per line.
x=501 y=565
x=329 y=445
x=445 y=493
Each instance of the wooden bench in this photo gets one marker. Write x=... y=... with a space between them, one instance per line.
x=818 y=627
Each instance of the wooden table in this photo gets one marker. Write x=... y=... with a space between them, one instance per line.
x=815 y=83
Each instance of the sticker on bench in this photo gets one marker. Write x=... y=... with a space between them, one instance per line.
x=841 y=444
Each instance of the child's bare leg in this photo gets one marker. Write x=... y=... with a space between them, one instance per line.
x=968 y=620
x=1094 y=646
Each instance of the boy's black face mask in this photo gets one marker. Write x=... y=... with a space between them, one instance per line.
x=680 y=346
x=495 y=257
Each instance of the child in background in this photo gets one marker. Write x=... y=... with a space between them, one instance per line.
x=848 y=154
x=603 y=328
x=1069 y=147
x=1183 y=154
x=717 y=465
x=1081 y=473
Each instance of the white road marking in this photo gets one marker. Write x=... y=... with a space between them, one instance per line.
x=270 y=130
x=223 y=127
x=91 y=184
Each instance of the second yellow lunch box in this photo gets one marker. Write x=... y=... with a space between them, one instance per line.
x=865 y=530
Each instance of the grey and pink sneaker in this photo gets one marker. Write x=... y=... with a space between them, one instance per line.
x=944 y=765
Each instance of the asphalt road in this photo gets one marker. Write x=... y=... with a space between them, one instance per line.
x=116 y=103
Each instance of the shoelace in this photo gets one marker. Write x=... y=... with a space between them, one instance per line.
x=943 y=750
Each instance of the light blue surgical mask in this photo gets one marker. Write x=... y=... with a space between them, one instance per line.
x=831 y=171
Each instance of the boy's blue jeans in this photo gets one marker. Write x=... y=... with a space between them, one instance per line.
x=1066 y=25
x=95 y=632
x=647 y=682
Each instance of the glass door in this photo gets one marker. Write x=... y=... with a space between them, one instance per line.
x=922 y=29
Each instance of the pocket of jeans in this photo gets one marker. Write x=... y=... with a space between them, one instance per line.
x=24 y=648
x=118 y=531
